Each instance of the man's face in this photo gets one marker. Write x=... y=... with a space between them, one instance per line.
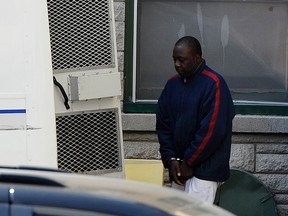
x=185 y=61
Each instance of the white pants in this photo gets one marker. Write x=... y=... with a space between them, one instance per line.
x=201 y=189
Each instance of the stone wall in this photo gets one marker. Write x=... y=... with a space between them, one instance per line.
x=263 y=153
x=266 y=156
x=119 y=15
x=259 y=143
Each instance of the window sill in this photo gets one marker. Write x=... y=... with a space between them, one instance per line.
x=241 y=123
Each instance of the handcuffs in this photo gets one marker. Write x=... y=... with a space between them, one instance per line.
x=174 y=159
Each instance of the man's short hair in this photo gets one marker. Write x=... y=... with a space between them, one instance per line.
x=192 y=43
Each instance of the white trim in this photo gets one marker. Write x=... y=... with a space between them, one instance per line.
x=134 y=52
x=245 y=102
x=286 y=75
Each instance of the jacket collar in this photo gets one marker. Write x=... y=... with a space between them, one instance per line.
x=198 y=70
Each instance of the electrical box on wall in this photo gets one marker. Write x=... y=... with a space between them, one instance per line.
x=94 y=86
x=88 y=87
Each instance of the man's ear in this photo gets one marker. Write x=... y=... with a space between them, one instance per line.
x=198 y=58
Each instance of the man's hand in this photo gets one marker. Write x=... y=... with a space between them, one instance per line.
x=175 y=172
x=186 y=171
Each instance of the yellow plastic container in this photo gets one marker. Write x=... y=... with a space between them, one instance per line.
x=148 y=171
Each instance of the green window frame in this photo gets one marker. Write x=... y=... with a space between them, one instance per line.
x=244 y=108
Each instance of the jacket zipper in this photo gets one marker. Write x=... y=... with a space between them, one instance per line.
x=180 y=111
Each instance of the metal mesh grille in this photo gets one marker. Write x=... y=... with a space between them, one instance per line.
x=88 y=142
x=80 y=34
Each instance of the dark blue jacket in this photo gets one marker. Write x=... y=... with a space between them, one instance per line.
x=194 y=123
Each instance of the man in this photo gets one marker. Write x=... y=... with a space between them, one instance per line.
x=194 y=123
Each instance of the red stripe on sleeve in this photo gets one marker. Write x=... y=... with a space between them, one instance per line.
x=213 y=118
